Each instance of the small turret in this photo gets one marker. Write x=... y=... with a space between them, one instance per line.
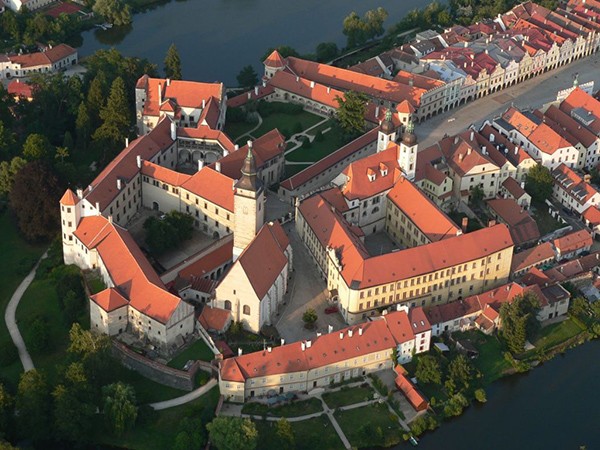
x=409 y=137
x=249 y=180
x=387 y=131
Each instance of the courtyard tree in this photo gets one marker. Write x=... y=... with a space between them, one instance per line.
x=539 y=183
x=169 y=232
x=351 y=112
x=33 y=406
x=115 y=11
x=247 y=77
x=120 y=409
x=309 y=318
x=173 y=63
x=285 y=434
x=233 y=433
x=37 y=215
x=428 y=370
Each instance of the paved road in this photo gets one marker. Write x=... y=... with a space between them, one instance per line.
x=185 y=398
x=532 y=93
x=11 y=322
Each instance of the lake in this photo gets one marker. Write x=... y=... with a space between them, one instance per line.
x=216 y=38
x=554 y=406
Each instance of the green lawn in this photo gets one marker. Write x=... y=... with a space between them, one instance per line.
x=293 y=169
x=294 y=409
x=370 y=426
x=312 y=434
x=198 y=350
x=556 y=334
x=347 y=396
x=332 y=140
x=17 y=257
x=491 y=362
x=159 y=433
x=286 y=123
x=545 y=222
x=236 y=129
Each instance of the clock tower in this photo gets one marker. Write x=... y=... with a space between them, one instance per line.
x=407 y=152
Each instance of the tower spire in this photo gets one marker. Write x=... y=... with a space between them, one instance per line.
x=249 y=180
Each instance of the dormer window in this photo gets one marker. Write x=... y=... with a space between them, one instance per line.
x=371 y=174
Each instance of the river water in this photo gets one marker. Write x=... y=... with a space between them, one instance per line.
x=554 y=406
x=216 y=38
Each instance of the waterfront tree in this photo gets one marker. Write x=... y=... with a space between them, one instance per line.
x=233 y=433
x=247 y=77
x=120 y=409
x=173 y=63
x=519 y=321
x=115 y=11
x=351 y=112
x=461 y=371
x=428 y=370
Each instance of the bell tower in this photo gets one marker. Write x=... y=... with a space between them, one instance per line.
x=407 y=151
x=387 y=132
x=248 y=205
x=70 y=215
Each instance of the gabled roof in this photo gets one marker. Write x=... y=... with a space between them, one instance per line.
x=203 y=132
x=208 y=263
x=372 y=174
x=213 y=186
x=48 y=57
x=523 y=228
x=573 y=241
x=109 y=299
x=572 y=183
x=214 y=318
x=533 y=256
x=163 y=174
x=264 y=258
x=513 y=187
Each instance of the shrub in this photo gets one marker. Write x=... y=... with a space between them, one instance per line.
x=235 y=115
x=480 y=396
x=8 y=353
x=39 y=334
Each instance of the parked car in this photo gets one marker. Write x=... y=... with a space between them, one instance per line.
x=331 y=309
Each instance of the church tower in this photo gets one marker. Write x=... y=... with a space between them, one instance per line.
x=248 y=205
x=70 y=215
x=387 y=132
x=407 y=152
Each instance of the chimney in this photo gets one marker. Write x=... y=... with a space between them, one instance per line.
x=239 y=351
x=126 y=142
x=80 y=193
x=119 y=184
x=297 y=78
x=90 y=187
x=269 y=348
x=98 y=207
x=469 y=151
x=460 y=157
x=492 y=137
x=329 y=328
x=138 y=160
x=159 y=93
x=377 y=111
x=491 y=223
x=249 y=144
x=110 y=219
x=218 y=166
x=312 y=84
x=225 y=152
x=411 y=82
x=465 y=223
x=282 y=341
x=236 y=147
x=522 y=184
x=587 y=178
x=484 y=150
x=341 y=335
x=168 y=82
x=264 y=83
x=349 y=332
x=256 y=90
x=360 y=331
x=200 y=165
x=456 y=139
x=308 y=343
x=319 y=333
x=203 y=103
x=516 y=150
x=249 y=95
x=328 y=89
x=173 y=131
x=303 y=346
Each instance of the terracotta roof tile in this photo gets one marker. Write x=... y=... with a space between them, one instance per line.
x=573 y=241
x=109 y=299
x=163 y=174
x=69 y=198
x=214 y=318
x=212 y=186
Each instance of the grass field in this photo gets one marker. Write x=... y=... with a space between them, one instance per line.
x=198 y=350
x=235 y=129
x=287 y=123
x=545 y=222
x=331 y=141
x=347 y=396
x=556 y=333
x=381 y=430
x=312 y=434
x=293 y=409
x=17 y=257
x=159 y=433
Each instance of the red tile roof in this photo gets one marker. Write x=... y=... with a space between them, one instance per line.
x=573 y=241
x=383 y=166
x=109 y=299
x=69 y=198
x=213 y=186
x=19 y=89
x=128 y=267
x=414 y=397
x=535 y=276
x=214 y=318
x=572 y=183
x=428 y=218
x=264 y=259
x=208 y=263
x=514 y=188
x=274 y=60
x=163 y=174
x=532 y=257
x=49 y=57
x=582 y=102
x=203 y=132
x=303 y=87
x=523 y=228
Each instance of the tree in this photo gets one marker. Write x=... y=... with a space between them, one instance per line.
x=455 y=405
x=351 y=112
x=95 y=100
x=115 y=117
x=519 y=321
x=460 y=370
x=538 y=183
x=191 y=435
x=93 y=351
x=62 y=153
x=477 y=195
x=8 y=172
x=233 y=433
x=247 y=77
x=173 y=63
x=480 y=396
x=37 y=215
x=168 y=233
x=326 y=51
x=7 y=142
x=83 y=126
x=309 y=318
x=285 y=435
x=6 y=412
x=36 y=147
x=428 y=370
x=120 y=409
x=115 y=11
x=358 y=31
x=33 y=406
x=39 y=334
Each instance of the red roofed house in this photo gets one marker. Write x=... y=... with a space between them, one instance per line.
x=51 y=60
x=414 y=397
x=572 y=192
x=572 y=244
x=512 y=189
x=214 y=320
x=330 y=358
x=523 y=229
x=20 y=91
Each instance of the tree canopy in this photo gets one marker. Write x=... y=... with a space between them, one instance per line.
x=539 y=183
x=115 y=116
x=169 y=232
x=360 y=30
x=351 y=113
x=115 y=11
x=519 y=321
x=233 y=433
x=247 y=77
x=120 y=409
x=173 y=63
x=428 y=370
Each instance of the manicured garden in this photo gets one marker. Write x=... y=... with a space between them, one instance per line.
x=381 y=430
x=287 y=124
x=197 y=351
x=490 y=362
x=292 y=409
x=348 y=396
x=312 y=434
x=319 y=147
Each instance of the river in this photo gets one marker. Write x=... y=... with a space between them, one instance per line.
x=216 y=38
x=554 y=406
